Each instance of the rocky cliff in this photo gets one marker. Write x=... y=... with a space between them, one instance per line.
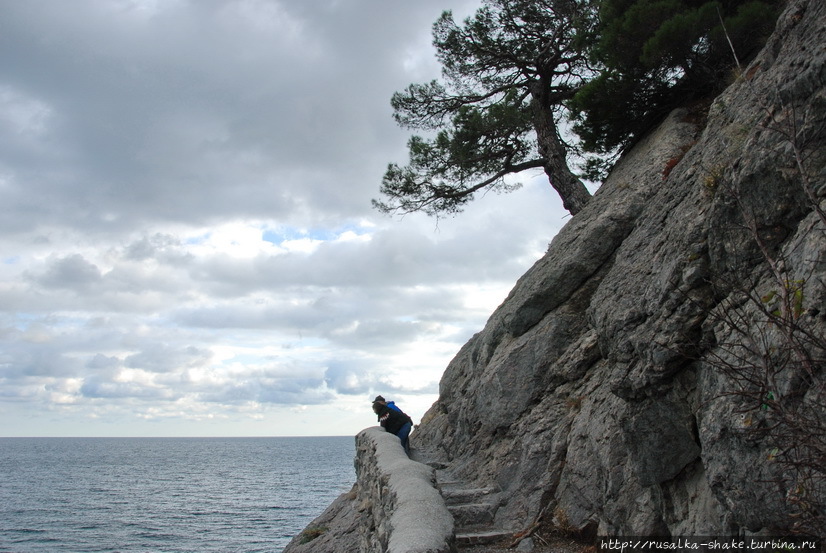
x=660 y=370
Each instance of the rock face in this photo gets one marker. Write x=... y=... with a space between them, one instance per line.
x=640 y=377
x=336 y=529
x=603 y=389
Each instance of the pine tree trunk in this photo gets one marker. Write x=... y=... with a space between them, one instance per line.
x=573 y=193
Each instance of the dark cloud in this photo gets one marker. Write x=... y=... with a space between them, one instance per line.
x=31 y=360
x=130 y=118
x=355 y=378
x=100 y=361
x=164 y=358
x=72 y=272
x=158 y=246
x=286 y=392
x=96 y=387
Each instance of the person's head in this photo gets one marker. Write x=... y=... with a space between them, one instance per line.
x=379 y=399
x=377 y=406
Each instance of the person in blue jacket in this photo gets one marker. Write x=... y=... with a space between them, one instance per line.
x=391 y=404
x=394 y=420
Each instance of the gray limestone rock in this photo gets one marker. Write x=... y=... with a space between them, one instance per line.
x=595 y=390
x=336 y=529
x=601 y=392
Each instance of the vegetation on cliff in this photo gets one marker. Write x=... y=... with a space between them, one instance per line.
x=653 y=56
x=518 y=71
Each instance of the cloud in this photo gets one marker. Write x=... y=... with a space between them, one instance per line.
x=97 y=388
x=277 y=114
x=186 y=226
x=163 y=358
x=71 y=272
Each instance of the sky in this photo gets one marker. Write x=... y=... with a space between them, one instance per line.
x=187 y=242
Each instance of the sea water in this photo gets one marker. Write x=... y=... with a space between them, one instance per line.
x=205 y=495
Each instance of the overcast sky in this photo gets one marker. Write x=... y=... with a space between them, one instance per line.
x=187 y=241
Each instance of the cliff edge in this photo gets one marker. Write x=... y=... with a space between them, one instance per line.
x=660 y=370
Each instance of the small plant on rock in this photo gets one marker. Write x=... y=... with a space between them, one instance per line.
x=312 y=533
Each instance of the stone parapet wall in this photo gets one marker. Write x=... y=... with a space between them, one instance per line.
x=401 y=511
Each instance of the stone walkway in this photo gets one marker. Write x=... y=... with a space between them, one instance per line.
x=534 y=545
x=474 y=511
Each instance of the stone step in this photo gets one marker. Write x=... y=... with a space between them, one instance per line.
x=467 y=495
x=470 y=515
x=469 y=539
x=449 y=484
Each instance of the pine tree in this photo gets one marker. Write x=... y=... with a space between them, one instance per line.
x=655 y=55
x=507 y=72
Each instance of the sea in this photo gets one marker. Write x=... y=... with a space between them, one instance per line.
x=165 y=495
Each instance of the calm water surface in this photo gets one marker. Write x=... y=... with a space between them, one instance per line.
x=166 y=494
